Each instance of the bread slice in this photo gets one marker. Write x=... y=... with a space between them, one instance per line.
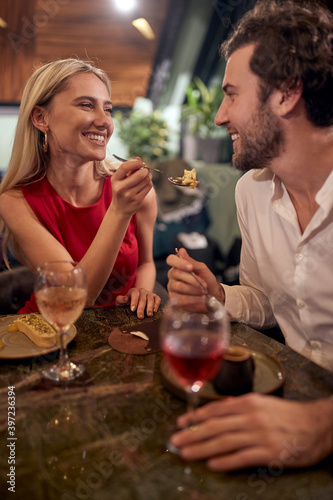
x=34 y=327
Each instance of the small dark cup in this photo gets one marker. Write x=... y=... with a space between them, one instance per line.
x=236 y=374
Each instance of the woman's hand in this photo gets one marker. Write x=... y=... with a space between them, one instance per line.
x=130 y=184
x=183 y=286
x=140 y=300
x=256 y=430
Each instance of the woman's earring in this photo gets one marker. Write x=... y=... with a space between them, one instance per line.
x=45 y=143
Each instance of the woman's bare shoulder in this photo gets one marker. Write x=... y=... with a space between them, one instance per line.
x=12 y=194
x=12 y=202
x=11 y=197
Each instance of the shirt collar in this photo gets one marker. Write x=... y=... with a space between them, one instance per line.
x=324 y=197
x=277 y=188
x=282 y=203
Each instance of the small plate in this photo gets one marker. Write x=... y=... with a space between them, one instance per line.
x=19 y=346
x=269 y=376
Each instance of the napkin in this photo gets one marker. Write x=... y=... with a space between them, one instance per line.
x=124 y=341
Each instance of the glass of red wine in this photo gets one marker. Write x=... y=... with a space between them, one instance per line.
x=193 y=345
x=61 y=294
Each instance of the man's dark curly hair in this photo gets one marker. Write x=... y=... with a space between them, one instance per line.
x=294 y=45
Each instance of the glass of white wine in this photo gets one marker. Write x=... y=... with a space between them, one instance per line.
x=61 y=294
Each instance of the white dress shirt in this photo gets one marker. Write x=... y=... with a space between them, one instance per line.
x=285 y=275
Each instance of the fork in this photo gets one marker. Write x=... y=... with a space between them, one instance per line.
x=177 y=181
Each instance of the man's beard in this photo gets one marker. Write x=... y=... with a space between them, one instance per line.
x=262 y=143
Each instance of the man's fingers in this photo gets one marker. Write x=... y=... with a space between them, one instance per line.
x=253 y=456
x=176 y=262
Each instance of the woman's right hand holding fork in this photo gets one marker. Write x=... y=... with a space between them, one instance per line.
x=130 y=185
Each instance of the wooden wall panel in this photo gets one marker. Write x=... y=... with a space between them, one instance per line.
x=17 y=46
x=90 y=29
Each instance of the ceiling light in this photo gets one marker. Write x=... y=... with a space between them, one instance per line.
x=125 y=5
x=144 y=27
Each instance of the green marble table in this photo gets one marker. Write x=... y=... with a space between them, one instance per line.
x=103 y=436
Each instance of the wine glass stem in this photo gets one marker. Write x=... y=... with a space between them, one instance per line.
x=192 y=401
x=63 y=357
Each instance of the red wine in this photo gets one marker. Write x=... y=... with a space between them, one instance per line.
x=194 y=357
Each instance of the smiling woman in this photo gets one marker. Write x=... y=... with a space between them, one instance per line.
x=76 y=123
x=60 y=191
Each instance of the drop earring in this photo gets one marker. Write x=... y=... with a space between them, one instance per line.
x=45 y=143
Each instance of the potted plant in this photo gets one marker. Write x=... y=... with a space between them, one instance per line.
x=198 y=114
x=145 y=135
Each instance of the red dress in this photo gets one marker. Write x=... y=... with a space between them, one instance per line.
x=75 y=228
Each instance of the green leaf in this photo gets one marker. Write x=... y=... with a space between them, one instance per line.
x=145 y=135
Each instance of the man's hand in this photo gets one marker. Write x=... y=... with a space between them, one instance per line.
x=183 y=286
x=257 y=430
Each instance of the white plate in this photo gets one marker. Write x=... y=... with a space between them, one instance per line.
x=18 y=345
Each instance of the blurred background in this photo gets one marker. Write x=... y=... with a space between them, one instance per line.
x=152 y=50
x=162 y=57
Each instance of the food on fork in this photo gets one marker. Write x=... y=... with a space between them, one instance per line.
x=37 y=330
x=190 y=178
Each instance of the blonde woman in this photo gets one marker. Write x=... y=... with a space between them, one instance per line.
x=61 y=199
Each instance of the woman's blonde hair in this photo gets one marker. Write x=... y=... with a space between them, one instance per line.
x=28 y=162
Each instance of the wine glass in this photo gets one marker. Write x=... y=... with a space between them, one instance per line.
x=61 y=294
x=193 y=345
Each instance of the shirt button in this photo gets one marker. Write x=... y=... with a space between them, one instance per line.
x=300 y=304
x=299 y=256
x=315 y=344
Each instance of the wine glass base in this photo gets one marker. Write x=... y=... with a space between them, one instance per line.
x=171 y=448
x=65 y=373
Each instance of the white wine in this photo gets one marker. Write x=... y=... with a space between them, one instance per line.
x=61 y=305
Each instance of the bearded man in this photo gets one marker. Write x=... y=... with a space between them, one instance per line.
x=278 y=109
